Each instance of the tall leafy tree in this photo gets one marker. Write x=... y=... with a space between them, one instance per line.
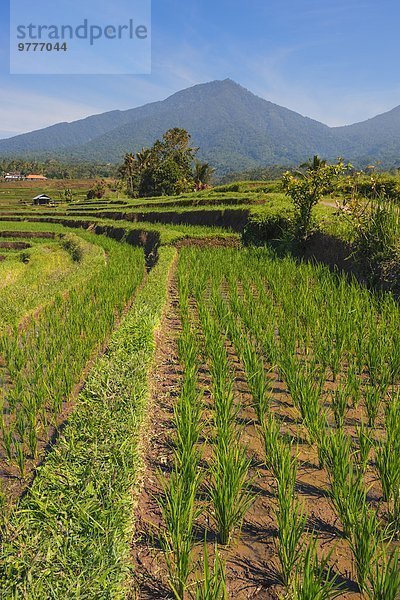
x=164 y=169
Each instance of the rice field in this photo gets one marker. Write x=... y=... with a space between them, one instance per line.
x=59 y=300
x=182 y=417
x=277 y=436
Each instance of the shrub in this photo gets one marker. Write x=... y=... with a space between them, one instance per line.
x=306 y=187
x=72 y=245
x=376 y=229
x=262 y=229
x=382 y=185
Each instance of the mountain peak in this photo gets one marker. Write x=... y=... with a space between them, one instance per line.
x=227 y=84
x=234 y=129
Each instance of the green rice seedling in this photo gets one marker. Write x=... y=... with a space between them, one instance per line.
x=33 y=435
x=387 y=460
x=378 y=359
x=365 y=443
x=20 y=458
x=360 y=337
x=385 y=576
x=179 y=512
x=338 y=324
x=225 y=411
x=338 y=454
x=314 y=578
x=257 y=313
x=353 y=386
x=323 y=442
x=336 y=355
x=349 y=499
x=259 y=383
x=178 y=505
x=291 y=520
x=213 y=583
x=7 y=438
x=222 y=383
x=286 y=355
x=394 y=355
x=253 y=363
x=273 y=443
x=305 y=387
x=364 y=543
x=348 y=493
x=315 y=420
x=21 y=424
x=229 y=488
x=187 y=413
x=373 y=398
x=33 y=441
x=339 y=406
x=286 y=359
x=392 y=415
x=322 y=346
x=285 y=472
x=388 y=466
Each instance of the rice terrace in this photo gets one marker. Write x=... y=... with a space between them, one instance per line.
x=199 y=300
x=200 y=383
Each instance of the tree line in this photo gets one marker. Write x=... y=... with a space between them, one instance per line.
x=53 y=169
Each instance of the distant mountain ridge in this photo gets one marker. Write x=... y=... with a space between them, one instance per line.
x=234 y=129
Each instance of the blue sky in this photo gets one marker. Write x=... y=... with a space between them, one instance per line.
x=335 y=61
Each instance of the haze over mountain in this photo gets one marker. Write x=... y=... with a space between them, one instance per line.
x=234 y=129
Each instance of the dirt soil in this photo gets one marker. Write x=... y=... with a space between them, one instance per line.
x=28 y=234
x=15 y=245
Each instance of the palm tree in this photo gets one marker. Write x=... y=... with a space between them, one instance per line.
x=128 y=171
x=202 y=175
x=143 y=158
x=313 y=165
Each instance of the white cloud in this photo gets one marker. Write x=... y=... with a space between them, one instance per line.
x=6 y=134
x=22 y=110
x=334 y=107
x=330 y=104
